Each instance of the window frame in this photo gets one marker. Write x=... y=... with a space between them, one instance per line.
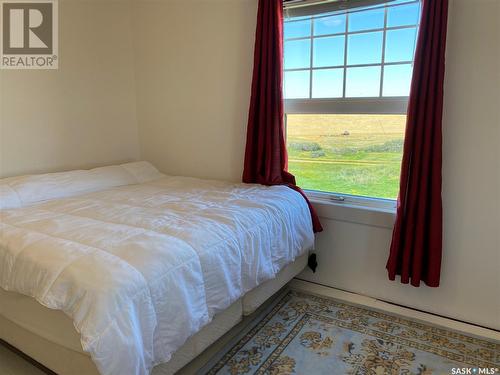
x=348 y=106
x=351 y=105
x=382 y=64
x=355 y=201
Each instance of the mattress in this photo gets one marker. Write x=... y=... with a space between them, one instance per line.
x=140 y=261
x=49 y=336
x=256 y=297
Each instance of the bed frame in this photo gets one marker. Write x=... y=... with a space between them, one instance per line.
x=48 y=336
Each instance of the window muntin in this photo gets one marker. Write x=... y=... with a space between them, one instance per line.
x=345 y=102
x=378 y=36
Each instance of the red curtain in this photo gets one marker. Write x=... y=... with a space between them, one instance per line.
x=265 y=155
x=417 y=237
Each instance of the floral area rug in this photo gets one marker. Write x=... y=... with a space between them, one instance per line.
x=308 y=334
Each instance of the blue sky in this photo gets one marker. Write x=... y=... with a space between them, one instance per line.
x=362 y=48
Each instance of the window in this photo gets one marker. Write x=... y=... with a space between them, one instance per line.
x=347 y=75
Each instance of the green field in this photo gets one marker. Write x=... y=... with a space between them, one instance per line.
x=350 y=154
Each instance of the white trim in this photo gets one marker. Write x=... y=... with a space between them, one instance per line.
x=354 y=214
x=349 y=105
x=384 y=205
x=359 y=210
x=358 y=106
x=391 y=308
x=384 y=45
x=346 y=46
x=348 y=66
x=311 y=38
x=380 y=29
x=302 y=8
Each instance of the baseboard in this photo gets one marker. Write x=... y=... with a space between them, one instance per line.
x=456 y=325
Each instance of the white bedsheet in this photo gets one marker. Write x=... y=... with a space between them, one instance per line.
x=141 y=261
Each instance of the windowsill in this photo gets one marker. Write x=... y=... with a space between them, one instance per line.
x=354 y=212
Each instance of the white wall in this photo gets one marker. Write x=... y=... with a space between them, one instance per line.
x=82 y=114
x=352 y=256
x=193 y=66
x=194 y=63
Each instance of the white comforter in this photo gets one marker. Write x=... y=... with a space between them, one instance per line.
x=141 y=261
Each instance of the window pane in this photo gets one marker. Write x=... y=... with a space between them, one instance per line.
x=328 y=51
x=366 y=20
x=364 y=48
x=349 y=154
x=329 y=25
x=363 y=82
x=403 y=15
x=328 y=83
x=297 y=84
x=400 y=45
x=297 y=54
x=297 y=29
x=397 y=80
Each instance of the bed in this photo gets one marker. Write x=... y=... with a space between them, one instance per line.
x=124 y=270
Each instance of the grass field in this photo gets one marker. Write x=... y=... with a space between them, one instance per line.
x=350 y=154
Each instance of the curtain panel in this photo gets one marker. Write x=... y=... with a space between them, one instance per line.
x=416 y=247
x=266 y=159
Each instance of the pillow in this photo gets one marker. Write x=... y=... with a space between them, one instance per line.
x=8 y=197
x=142 y=171
x=25 y=190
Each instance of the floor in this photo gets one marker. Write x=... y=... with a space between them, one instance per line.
x=13 y=364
